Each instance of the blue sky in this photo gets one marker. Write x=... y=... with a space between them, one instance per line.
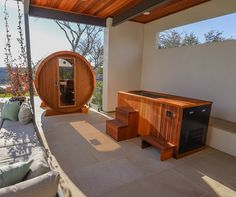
x=46 y=37
x=226 y=23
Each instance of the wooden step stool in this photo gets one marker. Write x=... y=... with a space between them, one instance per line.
x=125 y=124
x=167 y=149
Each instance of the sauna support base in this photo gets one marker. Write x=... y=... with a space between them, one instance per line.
x=50 y=112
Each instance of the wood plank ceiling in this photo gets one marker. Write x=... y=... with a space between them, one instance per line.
x=111 y=8
x=98 y=8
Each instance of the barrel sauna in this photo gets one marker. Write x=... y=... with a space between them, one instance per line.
x=64 y=81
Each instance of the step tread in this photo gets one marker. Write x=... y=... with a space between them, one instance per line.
x=157 y=142
x=117 y=123
x=125 y=110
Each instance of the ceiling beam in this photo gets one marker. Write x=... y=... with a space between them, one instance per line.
x=65 y=16
x=137 y=10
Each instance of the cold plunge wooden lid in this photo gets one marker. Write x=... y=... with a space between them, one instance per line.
x=47 y=81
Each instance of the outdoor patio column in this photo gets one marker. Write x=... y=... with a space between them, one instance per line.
x=28 y=51
x=123 y=47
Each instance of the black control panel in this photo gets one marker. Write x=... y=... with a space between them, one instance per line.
x=194 y=128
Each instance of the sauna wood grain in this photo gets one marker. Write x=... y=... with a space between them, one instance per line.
x=47 y=75
x=47 y=86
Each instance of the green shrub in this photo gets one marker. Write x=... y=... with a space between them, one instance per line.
x=97 y=95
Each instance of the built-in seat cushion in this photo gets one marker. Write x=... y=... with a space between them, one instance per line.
x=17 y=134
x=37 y=155
x=45 y=185
x=20 y=143
x=15 y=153
x=17 y=142
x=40 y=164
x=10 y=123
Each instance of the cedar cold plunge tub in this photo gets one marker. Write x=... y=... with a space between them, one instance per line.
x=65 y=81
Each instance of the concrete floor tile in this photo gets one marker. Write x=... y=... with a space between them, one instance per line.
x=218 y=166
x=99 y=166
x=167 y=184
x=97 y=179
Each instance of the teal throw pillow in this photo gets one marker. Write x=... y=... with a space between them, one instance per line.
x=13 y=173
x=10 y=110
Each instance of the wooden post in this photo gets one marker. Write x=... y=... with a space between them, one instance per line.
x=28 y=52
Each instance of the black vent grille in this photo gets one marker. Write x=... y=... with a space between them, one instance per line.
x=194 y=138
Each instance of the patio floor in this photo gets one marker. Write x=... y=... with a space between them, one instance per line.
x=99 y=166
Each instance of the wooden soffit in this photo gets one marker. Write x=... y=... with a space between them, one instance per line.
x=97 y=11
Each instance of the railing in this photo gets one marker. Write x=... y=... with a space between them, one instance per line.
x=4 y=81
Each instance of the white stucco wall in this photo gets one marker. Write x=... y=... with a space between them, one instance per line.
x=221 y=139
x=123 y=49
x=204 y=71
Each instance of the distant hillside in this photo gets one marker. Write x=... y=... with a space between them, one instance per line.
x=3 y=75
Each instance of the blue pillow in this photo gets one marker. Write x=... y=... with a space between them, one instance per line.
x=10 y=110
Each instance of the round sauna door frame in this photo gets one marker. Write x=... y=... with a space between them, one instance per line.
x=47 y=81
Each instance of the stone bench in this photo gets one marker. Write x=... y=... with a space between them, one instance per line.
x=222 y=135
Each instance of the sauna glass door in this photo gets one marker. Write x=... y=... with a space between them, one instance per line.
x=66 y=82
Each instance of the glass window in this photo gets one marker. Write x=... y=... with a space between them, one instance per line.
x=66 y=81
x=212 y=30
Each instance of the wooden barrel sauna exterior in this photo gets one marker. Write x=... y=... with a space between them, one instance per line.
x=65 y=81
